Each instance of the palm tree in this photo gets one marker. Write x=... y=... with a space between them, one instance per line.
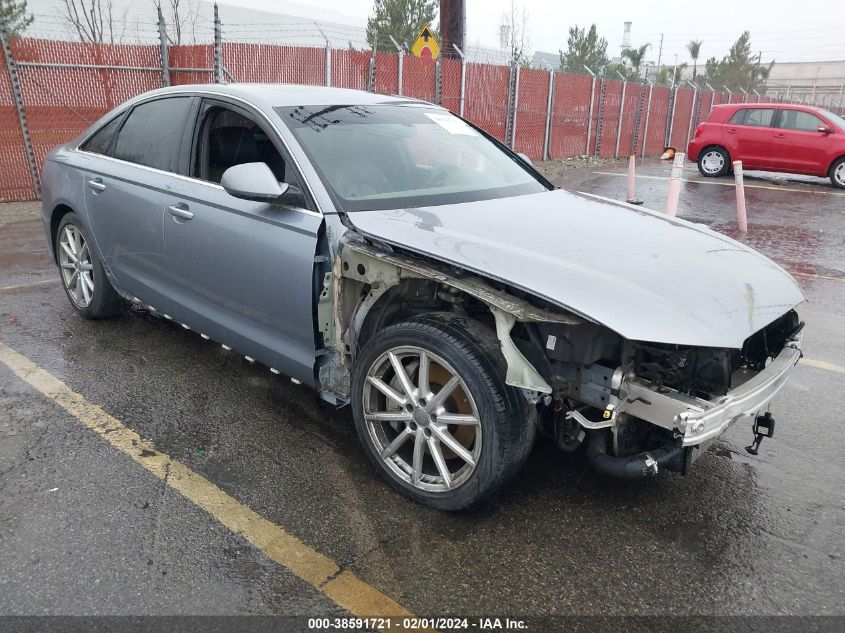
x=636 y=56
x=694 y=48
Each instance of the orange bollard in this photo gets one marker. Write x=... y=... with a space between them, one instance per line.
x=741 y=218
x=632 y=176
x=675 y=184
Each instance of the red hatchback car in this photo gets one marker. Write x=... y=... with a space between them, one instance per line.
x=771 y=137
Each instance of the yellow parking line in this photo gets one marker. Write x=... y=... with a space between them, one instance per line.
x=728 y=184
x=318 y=570
x=820 y=364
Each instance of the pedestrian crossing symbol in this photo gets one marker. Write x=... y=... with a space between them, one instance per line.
x=426 y=44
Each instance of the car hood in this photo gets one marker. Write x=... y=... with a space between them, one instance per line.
x=645 y=275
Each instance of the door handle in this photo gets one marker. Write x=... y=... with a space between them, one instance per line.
x=780 y=135
x=97 y=184
x=180 y=211
x=732 y=130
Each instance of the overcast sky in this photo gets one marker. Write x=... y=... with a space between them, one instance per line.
x=810 y=30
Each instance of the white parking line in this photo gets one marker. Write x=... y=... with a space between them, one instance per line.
x=45 y=282
x=727 y=184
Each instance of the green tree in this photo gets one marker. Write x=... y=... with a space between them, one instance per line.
x=636 y=56
x=402 y=19
x=667 y=73
x=739 y=68
x=694 y=48
x=584 y=48
x=16 y=16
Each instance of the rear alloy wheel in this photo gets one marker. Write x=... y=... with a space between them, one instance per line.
x=713 y=162
x=82 y=275
x=433 y=412
x=837 y=173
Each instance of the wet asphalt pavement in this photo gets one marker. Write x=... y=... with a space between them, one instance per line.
x=86 y=530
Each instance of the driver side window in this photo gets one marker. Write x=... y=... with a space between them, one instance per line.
x=228 y=138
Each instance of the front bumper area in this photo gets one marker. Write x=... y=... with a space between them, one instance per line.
x=697 y=421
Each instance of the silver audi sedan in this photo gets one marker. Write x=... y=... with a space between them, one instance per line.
x=395 y=257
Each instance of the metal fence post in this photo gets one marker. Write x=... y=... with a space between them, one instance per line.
x=218 y=47
x=513 y=105
x=590 y=115
x=163 y=49
x=621 y=112
x=600 y=116
x=328 y=56
x=401 y=53
x=12 y=69
x=463 y=77
x=670 y=116
x=692 y=112
x=547 y=141
x=647 y=115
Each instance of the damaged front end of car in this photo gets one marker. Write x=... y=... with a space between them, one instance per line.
x=643 y=406
x=637 y=407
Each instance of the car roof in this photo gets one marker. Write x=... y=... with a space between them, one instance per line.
x=773 y=106
x=274 y=95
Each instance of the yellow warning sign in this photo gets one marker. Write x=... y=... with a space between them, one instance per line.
x=426 y=44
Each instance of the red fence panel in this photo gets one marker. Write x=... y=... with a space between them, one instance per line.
x=450 y=84
x=659 y=110
x=275 y=64
x=351 y=69
x=629 y=117
x=532 y=103
x=610 y=117
x=387 y=74
x=681 y=120
x=15 y=180
x=199 y=57
x=418 y=78
x=487 y=97
x=569 y=115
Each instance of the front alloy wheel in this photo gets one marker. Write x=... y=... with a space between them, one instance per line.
x=422 y=419
x=434 y=413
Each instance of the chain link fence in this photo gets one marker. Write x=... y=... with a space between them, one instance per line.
x=53 y=89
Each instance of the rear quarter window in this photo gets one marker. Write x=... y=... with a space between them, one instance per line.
x=101 y=139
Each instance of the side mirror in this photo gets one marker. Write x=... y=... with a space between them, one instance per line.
x=824 y=129
x=257 y=182
x=525 y=158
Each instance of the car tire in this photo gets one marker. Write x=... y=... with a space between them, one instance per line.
x=837 y=173
x=714 y=161
x=456 y=349
x=81 y=272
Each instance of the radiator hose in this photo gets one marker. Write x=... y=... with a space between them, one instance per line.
x=638 y=466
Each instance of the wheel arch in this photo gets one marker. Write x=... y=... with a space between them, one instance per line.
x=59 y=211
x=374 y=288
x=835 y=160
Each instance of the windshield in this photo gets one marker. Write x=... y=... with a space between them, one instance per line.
x=403 y=155
x=837 y=120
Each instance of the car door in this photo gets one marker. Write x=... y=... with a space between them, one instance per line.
x=125 y=184
x=244 y=271
x=749 y=137
x=797 y=144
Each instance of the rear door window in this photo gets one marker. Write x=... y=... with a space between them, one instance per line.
x=754 y=117
x=799 y=120
x=153 y=132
